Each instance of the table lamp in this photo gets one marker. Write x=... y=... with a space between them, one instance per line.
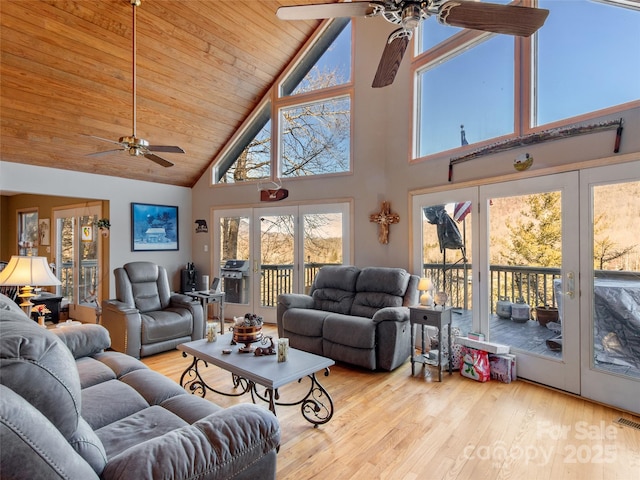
x=26 y=272
x=425 y=285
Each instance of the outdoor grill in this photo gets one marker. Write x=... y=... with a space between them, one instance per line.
x=235 y=275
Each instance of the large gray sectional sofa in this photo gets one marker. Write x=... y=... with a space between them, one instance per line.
x=70 y=410
x=352 y=315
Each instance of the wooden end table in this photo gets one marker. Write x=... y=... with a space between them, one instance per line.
x=431 y=317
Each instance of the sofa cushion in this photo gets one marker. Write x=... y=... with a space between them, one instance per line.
x=389 y=280
x=88 y=445
x=166 y=325
x=334 y=288
x=110 y=401
x=144 y=425
x=379 y=287
x=190 y=408
x=84 y=340
x=154 y=387
x=32 y=447
x=304 y=321
x=120 y=364
x=33 y=356
x=358 y=332
x=93 y=372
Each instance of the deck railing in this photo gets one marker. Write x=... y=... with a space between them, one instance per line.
x=534 y=285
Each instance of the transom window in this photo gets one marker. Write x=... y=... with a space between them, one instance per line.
x=474 y=87
x=304 y=126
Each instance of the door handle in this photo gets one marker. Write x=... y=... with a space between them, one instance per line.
x=571 y=285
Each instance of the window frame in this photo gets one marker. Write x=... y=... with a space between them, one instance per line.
x=525 y=104
x=276 y=100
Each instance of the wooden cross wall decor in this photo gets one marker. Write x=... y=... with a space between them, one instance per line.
x=384 y=218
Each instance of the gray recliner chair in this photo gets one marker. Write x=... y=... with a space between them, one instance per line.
x=146 y=317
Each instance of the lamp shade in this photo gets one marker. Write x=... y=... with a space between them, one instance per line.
x=28 y=271
x=425 y=284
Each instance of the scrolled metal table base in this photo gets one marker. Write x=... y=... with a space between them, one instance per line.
x=316 y=405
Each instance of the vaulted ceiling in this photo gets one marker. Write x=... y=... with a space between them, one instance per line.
x=202 y=66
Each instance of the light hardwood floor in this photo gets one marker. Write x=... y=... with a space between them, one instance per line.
x=394 y=426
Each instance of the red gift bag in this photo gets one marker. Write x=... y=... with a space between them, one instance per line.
x=475 y=364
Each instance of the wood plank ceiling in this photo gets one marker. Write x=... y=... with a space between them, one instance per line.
x=202 y=66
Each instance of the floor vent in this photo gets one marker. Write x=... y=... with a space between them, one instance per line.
x=628 y=423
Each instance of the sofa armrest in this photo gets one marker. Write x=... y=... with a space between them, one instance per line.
x=290 y=300
x=221 y=445
x=197 y=312
x=125 y=326
x=295 y=300
x=84 y=340
x=391 y=314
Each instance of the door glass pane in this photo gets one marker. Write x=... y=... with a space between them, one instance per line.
x=446 y=257
x=276 y=257
x=525 y=258
x=88 y=275
x=616 y=288
x=65 y=256
x=323 y=243
x=234 y=245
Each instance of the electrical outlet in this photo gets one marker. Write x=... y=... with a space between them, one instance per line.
x=206 y=248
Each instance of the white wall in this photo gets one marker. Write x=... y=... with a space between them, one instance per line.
x=382 y=136
x=121 y=193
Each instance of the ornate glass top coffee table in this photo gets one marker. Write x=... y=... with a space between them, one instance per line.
x=248 y=371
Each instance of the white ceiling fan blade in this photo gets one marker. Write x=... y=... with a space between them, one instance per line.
x=327 y=10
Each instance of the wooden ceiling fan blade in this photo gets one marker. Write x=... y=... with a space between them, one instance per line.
x=327 y=10
x=391 y=58
x=492 y=17
x=165 y=148
x=159 y=160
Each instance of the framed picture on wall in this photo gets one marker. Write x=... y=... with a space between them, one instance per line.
x=44 y=232
x=153 y=227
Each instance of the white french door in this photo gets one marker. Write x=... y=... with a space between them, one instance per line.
x=467 y=241
x=529 y=237
x=283 y=246
x=610 y=285
x=591 y=274
x=77 y=259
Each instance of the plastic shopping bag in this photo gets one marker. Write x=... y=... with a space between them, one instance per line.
x=475 y=364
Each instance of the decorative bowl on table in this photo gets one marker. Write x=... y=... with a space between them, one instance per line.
x=247 y=330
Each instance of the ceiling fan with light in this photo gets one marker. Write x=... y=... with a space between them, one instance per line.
x=488 y=17
x=133 y=145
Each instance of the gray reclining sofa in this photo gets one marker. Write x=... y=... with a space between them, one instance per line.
x=352 y=315
x=70 y=410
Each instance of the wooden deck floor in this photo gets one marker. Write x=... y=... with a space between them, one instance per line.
x=528 y=336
